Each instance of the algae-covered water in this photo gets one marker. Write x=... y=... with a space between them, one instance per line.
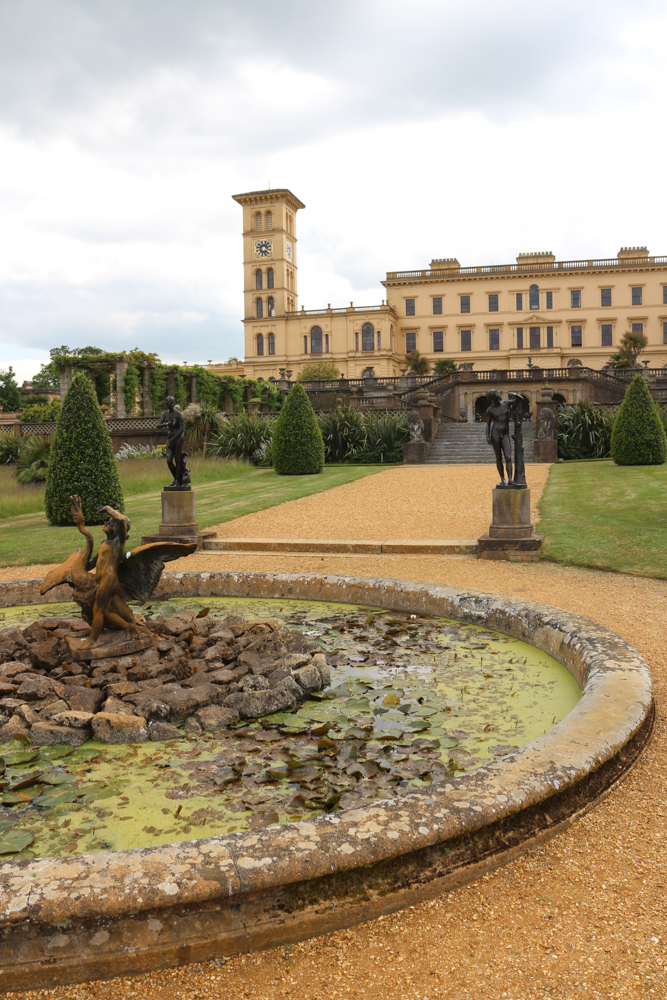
x=413 y=699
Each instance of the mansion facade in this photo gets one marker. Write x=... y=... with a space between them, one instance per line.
x=537 y=311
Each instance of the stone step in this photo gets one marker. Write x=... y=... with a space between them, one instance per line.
x=436 y=547
x=465 y=444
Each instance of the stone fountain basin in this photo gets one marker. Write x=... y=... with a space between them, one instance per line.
x=101 y=915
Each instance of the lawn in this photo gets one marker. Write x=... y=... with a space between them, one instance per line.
x=224 y=489
x=606 y=516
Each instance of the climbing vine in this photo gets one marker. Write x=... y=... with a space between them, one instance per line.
x=130 y=386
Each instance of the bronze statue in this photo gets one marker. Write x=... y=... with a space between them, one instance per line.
x=498 y=416
x=172 y=419
x=119 y=576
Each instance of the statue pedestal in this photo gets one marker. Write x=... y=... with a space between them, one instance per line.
x=510 y=536
x=179 y=523
x=415 y=453
x=545 y=450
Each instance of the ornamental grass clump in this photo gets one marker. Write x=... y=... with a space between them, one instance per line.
x=298 y=448
x=82 y=459
x=638 y=435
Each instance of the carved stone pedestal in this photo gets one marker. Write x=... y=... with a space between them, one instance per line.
x=179 y=523
x=415 y=453
x=510 y=536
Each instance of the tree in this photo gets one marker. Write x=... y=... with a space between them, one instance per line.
x=10 y=397
x=631 y=346
x=298 y=448
x=417 y=364
x=82 y=459
x=48 y=376
x=445 y=366
x=319 y=370
x=638 y=436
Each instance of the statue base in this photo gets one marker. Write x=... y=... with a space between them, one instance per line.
x=510 y=536
x=415 y=453
x=545 y=450
x=120 y=643
x=179 y=523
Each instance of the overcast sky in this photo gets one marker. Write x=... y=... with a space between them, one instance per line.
x=411 y=130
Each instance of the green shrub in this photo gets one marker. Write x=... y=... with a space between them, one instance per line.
x=298 y=449
x=40 y=413
x=244 y=436
x=583 y=431
x=10 y=445
x=638 y=435
x=33 y=461
x=343 y=433
x=82 y=459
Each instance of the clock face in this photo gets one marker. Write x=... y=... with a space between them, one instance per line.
x=263 y=248
x=288 y=251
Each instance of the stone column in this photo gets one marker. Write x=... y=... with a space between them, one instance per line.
x=146 y=405
x=193 y=389
x=65 y=381
x=171 y=383
x=121 y=369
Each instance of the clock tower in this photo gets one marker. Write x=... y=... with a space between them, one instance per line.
x=269 y=268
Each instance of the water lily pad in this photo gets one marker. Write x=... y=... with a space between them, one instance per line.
x=55 y=797
x=14 y=757
x=14 y=841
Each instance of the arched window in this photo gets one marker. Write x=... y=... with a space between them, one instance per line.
x=258 y=279
x=367 y=337
x=269 y=220
x=368 y=373
x=260 y=344
x=316 y=340
x=269 y=278
x=533 y=297
x=259 y=309
x=271 y=306
x=272 y=343
x=258 y=222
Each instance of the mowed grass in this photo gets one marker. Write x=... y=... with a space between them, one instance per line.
x=606 y=516
x=224 y=490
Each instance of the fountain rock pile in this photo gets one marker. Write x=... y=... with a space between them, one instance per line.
x=209 y=671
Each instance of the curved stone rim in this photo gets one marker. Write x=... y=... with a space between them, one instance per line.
x=232 y=869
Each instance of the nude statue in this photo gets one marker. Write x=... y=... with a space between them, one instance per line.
x=498 y=416
x=172 y=419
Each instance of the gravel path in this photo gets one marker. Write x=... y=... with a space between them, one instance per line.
x=405 y=502
x=582 y=917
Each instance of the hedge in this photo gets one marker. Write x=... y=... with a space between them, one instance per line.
x=638 y=435
x=82 y=459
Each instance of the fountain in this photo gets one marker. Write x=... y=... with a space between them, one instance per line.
x=303 y=864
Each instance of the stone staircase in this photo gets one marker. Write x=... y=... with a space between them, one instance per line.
x=465 y=444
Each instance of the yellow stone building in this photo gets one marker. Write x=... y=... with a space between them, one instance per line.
x=495 y=317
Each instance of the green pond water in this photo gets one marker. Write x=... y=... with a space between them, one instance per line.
x=413 y=699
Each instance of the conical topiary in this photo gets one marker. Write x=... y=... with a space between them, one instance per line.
x=82 y=459
x=298 y=448
x=638 y=435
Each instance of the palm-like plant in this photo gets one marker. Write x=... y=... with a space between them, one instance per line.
x=417 y=364
x=445 y=366
x=243 y=435
x=32 y=464
x=10 y=445
x=202 y=421
x=584 y=431
x=343 y=433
